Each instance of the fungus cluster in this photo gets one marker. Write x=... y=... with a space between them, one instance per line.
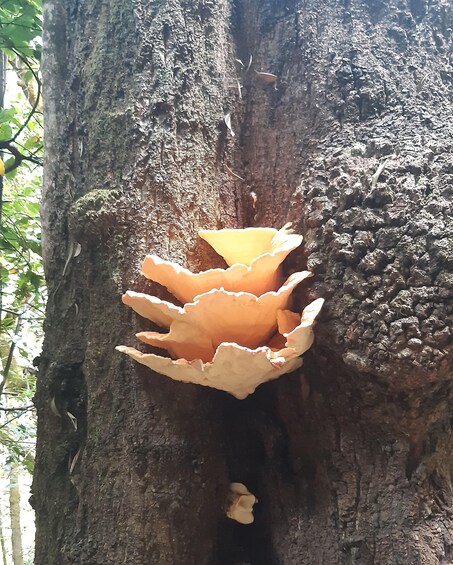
x=234 y=331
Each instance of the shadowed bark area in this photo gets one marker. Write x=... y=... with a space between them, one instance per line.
x=350 y=459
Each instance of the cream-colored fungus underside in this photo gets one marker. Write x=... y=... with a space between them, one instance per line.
x=213 y=318
x=236 y=369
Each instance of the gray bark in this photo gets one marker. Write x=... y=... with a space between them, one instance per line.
x=351 y=458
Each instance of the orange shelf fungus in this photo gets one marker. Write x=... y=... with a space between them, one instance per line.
x=234 y=331
x=254 y=256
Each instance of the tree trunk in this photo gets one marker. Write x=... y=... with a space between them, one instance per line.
x=350 y=458
x=14 y=513
x=2 y=541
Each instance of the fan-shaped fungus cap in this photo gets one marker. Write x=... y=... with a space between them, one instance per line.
x=240 y=503
x=215 y=317
x=244 y=246
x=237 y=369
x=254 y=256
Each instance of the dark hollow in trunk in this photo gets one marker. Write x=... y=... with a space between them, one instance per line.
x=350 y=458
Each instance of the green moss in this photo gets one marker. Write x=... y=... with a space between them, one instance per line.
x=93 y=214
x=99 y=200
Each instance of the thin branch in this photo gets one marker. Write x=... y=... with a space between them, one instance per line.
x=18 y=156
x=12 y=22
x=17 y=409
x=28 y=85
x=24 y=442
x=35 y=117
x=37 y=308
x=9 y=360
x=40 y=148
x=38 y=94
x=8 y=311
x=16 y=250
x=9 y=421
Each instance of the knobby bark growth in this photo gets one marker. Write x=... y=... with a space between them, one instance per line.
x=351 y=458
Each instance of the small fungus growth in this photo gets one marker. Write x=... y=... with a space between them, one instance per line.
x=240 y=503
x=235 y=331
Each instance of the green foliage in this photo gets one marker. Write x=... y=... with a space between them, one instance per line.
x=21 y=277
x=22 y=290
x=18 y=440
x=20 y=33
x=20 y=26
x=21 y=273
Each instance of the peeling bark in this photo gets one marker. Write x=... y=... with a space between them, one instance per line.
x=350 y=459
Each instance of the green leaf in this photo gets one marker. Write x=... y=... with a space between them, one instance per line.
x=35 y=280
x=5 y=132
x=7 y=115
x=33 y=142
x=35 y=247
x=7 y=324
x=12 y=173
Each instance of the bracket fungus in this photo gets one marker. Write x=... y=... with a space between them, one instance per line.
x=240 y=503
x=234 y=331
x=253 y=256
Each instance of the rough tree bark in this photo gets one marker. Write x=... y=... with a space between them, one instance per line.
x=351 y=458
